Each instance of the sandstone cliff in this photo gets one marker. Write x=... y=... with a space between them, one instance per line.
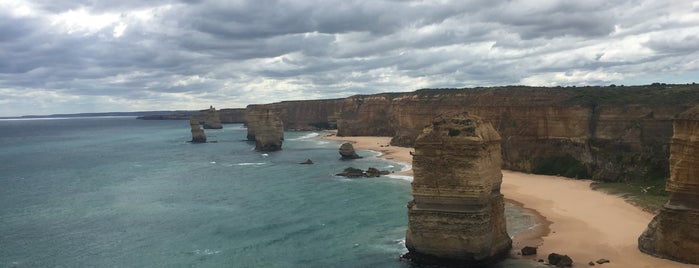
x=606 y=133
x=457 y=213
x=266 y=129
x=674 y=232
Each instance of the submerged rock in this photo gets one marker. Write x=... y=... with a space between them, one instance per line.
x=351 y=172
x=347 y=151
x=674 y=232
x=457 y=213
x=198 y=135
x=307 y=162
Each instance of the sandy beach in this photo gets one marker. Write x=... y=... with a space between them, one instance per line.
x=584 y=224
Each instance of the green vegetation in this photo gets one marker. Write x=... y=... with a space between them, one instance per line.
x=566 y=166
x=454 y=132
x=649 y=195
x=322 y=125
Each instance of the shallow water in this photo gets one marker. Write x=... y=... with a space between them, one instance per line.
x=121 y=192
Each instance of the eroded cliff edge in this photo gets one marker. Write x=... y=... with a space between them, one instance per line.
x=604 y=133
x=674 y=232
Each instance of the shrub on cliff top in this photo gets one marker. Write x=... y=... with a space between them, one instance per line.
x=566 y=166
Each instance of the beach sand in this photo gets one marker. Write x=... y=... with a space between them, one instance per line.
x=577 y=221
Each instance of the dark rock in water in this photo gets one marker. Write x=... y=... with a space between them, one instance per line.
x=526 y=251
x=385 y=172
x=347 y=151
x=351 y=172
x=560 y=260
x=373 y=172
x=198 y=135
x=307 y=162
x=601 y=261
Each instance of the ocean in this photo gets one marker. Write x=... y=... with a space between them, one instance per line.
x=122 y=192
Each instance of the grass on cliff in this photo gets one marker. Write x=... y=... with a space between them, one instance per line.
x=649 y=195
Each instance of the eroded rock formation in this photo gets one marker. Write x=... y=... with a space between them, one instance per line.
x=265 y=128
x=347 y=151
x=198 y=135
x=674 y=232
x=211 y=119
x=457 y=212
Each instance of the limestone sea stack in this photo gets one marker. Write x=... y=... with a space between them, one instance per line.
x=266 y=129
x=198 y=135
x=211 y=119
x=457 y=215
x=674 y=232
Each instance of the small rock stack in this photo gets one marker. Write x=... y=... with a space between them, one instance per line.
x=457 y=214
x=674 y=232
x=198 y=135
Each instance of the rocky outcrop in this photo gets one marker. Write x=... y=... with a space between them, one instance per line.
x=198 y=135
x=211 y=119
x=674 y=232
x=266 y=129
x=371 y=172
x=457 y=216
x=347 y=151
x=604 y=133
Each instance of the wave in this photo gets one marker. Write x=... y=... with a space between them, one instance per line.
x=400 y=177
x=250 y=164
x=307 y=136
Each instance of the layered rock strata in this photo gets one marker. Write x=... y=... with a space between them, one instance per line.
x=266 y=129
x=457 y=216
x=674 y=232
x=613 y=133
x=198 y=135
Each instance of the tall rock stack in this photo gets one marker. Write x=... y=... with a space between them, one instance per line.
x=457 y=216
x=198 y=135
x=674 y=232
x=211 y=119
x=266 y=129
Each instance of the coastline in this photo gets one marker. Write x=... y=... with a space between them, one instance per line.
x=575 y=220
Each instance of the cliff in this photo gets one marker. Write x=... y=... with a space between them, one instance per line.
x=457 y=215
x=604 y=133
x=674 y=232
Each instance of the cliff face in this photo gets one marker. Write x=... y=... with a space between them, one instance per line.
x=674 y=232
x=604 y=133
x=230 y=116
x=266 y=129
x=457 y=212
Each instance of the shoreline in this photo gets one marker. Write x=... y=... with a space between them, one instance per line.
x=574 y=219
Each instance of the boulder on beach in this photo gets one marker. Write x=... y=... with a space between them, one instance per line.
x=560 y=260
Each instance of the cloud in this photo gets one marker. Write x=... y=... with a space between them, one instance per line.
x=168 y=54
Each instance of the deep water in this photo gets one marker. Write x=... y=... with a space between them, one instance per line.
x=121 y=192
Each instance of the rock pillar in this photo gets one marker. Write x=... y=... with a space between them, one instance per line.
x=674 y=232
x=457 y=214
x=266 y=129
x=198 y=135
x=211 y=119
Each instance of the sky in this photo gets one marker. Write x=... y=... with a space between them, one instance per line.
x=61 y=56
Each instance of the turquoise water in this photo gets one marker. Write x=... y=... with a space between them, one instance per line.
x=121 y=192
